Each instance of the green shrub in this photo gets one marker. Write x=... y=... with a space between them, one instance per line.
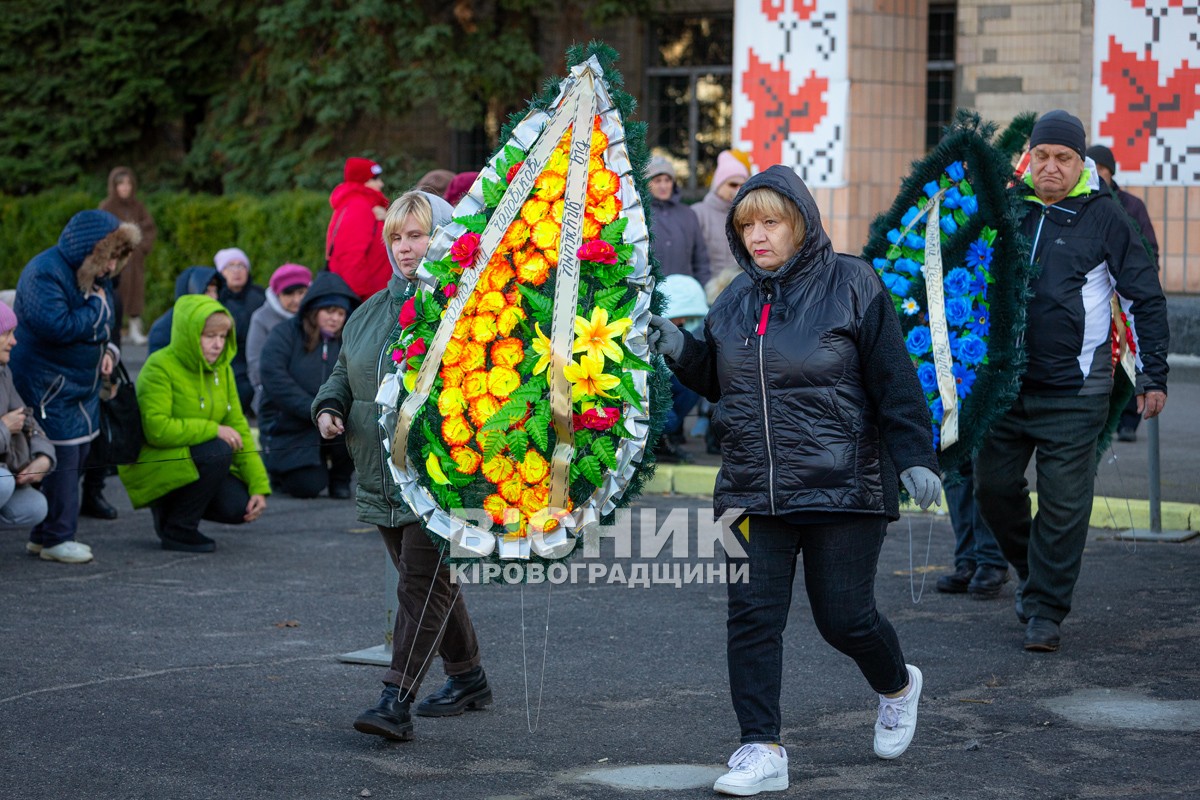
x=273 y=230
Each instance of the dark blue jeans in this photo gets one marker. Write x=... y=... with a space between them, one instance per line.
x=1046 y=550
x=839 y=576
x=61 y=488
x=683 y=400
x=974 y=544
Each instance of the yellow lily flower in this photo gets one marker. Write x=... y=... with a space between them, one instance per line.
x=434 y=468
x=541 y=346
x=588 y=379
x=595 y=336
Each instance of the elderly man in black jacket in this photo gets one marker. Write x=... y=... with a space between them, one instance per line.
x=1083 y=248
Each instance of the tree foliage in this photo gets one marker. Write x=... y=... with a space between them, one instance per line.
x=261 y=95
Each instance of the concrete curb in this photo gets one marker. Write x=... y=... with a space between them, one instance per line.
x=1109 y=513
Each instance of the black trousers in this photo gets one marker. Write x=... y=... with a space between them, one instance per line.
x=216 y=495
x=336 y=469
x=840 y=560
x=1047 y=549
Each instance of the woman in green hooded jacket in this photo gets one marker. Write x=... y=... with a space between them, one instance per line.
x=194 y=464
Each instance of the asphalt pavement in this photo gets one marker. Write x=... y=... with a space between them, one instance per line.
x=149 y=674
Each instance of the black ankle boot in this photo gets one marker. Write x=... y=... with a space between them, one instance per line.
x=957 y=581
x=94 y=505
x=461 y=692
x=390 y=717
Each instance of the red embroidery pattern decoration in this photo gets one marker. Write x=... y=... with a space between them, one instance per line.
x=778 y=111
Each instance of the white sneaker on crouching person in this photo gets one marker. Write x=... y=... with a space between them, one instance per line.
x=754 y=768
x=898 y=718
x=34 y=549
x=67 y=553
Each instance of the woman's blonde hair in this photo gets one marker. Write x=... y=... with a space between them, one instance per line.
x=764 y=203
x=415 y=203
x=220 y=320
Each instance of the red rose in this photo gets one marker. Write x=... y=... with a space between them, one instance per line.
x=408 y=312
x=463 y=251
x=598 y=251
x=450 y=290
x=417 y=348
x=597 y=419
x=513 y=171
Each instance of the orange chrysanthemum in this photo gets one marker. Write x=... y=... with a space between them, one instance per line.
x=496 y=506
x=509 y=318
x=508 y=352
x=452 y=377
x=466 y=459
x=595 y=164
x=503 y=381
x=451 y=402
x=545 y=233
x=599 y=141
x=534 y=210
x=496 y=280
x=514 y=238
x=603 y=183
x=550 y=186
x=492 y=303
x=556 y=211
x=551 y=255
x=591 y=228
x=474 y=356
x=534 y=269
x=468 y=308
x=483 y=328
x=474 y=386
x=534 y=499
x=454 y=350
x=499 y=469
x=483 y=408
x=534 y=468
x=512 y=489
x=606 y=210
x=559 y=160
x=456 y=431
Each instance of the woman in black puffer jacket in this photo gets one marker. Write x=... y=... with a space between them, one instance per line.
x=298 y=357
x=818 y=409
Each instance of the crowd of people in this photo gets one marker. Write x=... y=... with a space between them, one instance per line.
x=786 y=347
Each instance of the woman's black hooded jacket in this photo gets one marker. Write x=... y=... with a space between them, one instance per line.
x=818 y=406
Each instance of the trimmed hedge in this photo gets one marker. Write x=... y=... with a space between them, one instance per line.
x=272 y=229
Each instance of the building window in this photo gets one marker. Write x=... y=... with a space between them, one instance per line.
x=939 y=84
x=689 y=93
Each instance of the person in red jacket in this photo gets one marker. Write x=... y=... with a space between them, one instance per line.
x=354 y=241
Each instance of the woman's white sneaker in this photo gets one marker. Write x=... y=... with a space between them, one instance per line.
x=754 y=768
x=67 y=552
x=898 y=718
x=35 y=549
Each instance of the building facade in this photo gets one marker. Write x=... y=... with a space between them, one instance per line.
x=855 y=90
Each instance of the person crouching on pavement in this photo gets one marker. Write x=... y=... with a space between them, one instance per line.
x=26 y=455
x=298 y=358
x=65 y=303
x=433 y=614
x=198 y=461
x=820 y=417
